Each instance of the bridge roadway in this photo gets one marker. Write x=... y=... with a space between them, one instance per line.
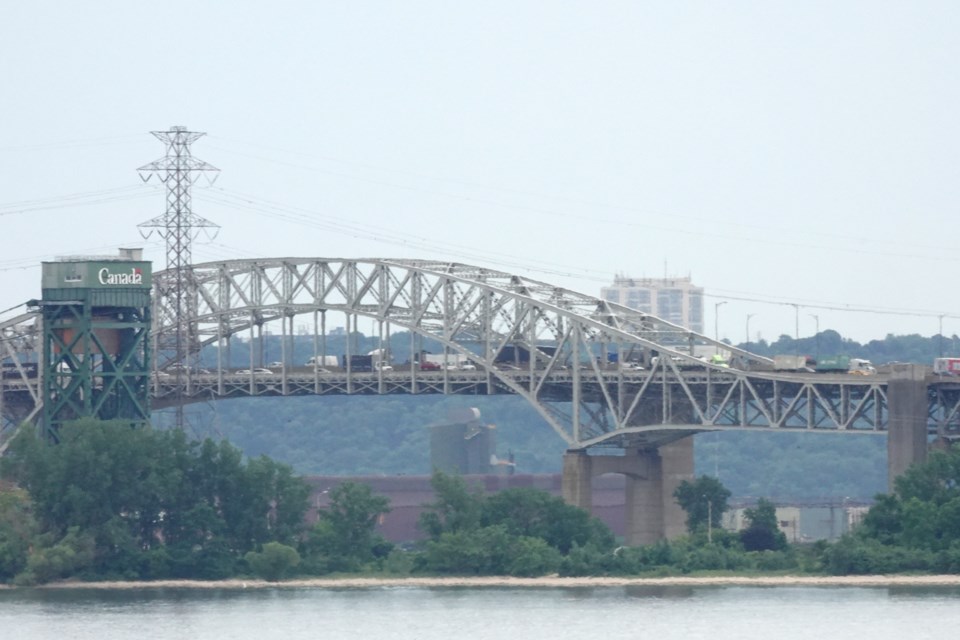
x=678 y=402
x=784 y=401
x=787 y=401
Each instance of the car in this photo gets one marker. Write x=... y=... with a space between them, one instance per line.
x=275 y=365
x=382 y=366
x=260 y=371
x=467 y=366
x=429 y=366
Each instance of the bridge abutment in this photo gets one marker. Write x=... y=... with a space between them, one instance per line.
x=907 y=404
x=652 y=477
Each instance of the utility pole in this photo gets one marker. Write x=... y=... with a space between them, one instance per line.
x=749 y=315
x=175 y=303
x=709 y=521
x=816 y=320
x=940 y=335
x=796 y=320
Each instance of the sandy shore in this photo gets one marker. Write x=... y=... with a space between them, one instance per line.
x=545 y=582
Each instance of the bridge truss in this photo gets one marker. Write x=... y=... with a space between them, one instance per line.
x=479 y=314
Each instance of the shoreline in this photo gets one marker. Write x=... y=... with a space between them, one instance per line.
x=508 y=582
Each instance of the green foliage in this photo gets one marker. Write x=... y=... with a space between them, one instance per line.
x=685 y=555
x=917 y=528
x=924 y=511
x=398 y=562
x=520 y=532
x=763 y=531
x=537 y=514
x=704 y=500
x=153 y=504
x=345 y=538
x=590 y=561
x=274 y=562
x=17 y=529
x=856 y=555
x=488 y=550
x=456 y=507
x=58 y=558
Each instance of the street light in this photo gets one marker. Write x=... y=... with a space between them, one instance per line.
x=716 y=323
x=749 y=315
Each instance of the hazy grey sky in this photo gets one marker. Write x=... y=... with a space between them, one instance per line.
x=777 y=152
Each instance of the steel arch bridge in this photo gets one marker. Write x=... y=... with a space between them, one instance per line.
x=479 y=314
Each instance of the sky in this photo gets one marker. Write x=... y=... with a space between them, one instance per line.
x=798 y=160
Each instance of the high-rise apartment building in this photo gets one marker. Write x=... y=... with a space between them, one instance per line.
x=675 y=300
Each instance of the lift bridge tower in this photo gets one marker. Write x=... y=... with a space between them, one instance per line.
x=96 y=349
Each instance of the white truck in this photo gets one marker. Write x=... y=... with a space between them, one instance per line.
x=448 y=360
x=323 y=361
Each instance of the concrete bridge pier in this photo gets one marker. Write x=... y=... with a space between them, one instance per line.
x=652 y=476
x=907 y=404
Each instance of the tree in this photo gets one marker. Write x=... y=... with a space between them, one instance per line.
x=924 y=510
x=704 y=500
x=537 y=514
x=456 y=508
x=153 y=504
x=17 y=529
x=346 y=535
x=763 y=532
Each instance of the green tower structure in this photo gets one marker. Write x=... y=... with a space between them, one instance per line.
x=96 y=346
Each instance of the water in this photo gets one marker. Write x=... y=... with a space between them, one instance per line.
x=418 y=613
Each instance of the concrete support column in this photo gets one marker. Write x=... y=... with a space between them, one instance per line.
x=644 y=499
x=652 y=476
x=652 y=512
x=907 y=420
x=677 y=466
x=577 y=482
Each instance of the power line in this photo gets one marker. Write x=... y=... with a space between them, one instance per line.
x=726 y=222
x=74 y=200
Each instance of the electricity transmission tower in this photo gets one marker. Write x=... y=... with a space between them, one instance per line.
x=178 y=226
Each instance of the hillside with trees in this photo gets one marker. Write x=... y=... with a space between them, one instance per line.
x=353 y=436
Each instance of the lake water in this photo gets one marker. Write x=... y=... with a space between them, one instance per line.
x=408 y=613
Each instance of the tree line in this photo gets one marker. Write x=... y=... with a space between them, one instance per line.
x=109 y=502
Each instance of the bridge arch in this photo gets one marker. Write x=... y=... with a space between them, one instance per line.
x=472 y=311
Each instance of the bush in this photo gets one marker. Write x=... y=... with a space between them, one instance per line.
x=773 y=560
x=67 y=557
x=533 y=557
x=853 y=555
x=273 y=563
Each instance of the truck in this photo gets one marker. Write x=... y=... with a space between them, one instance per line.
x=323 y=361
x=358 y=363
x=791 y=363
x=946 y=366
x=430 y=361
x=845 y=364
